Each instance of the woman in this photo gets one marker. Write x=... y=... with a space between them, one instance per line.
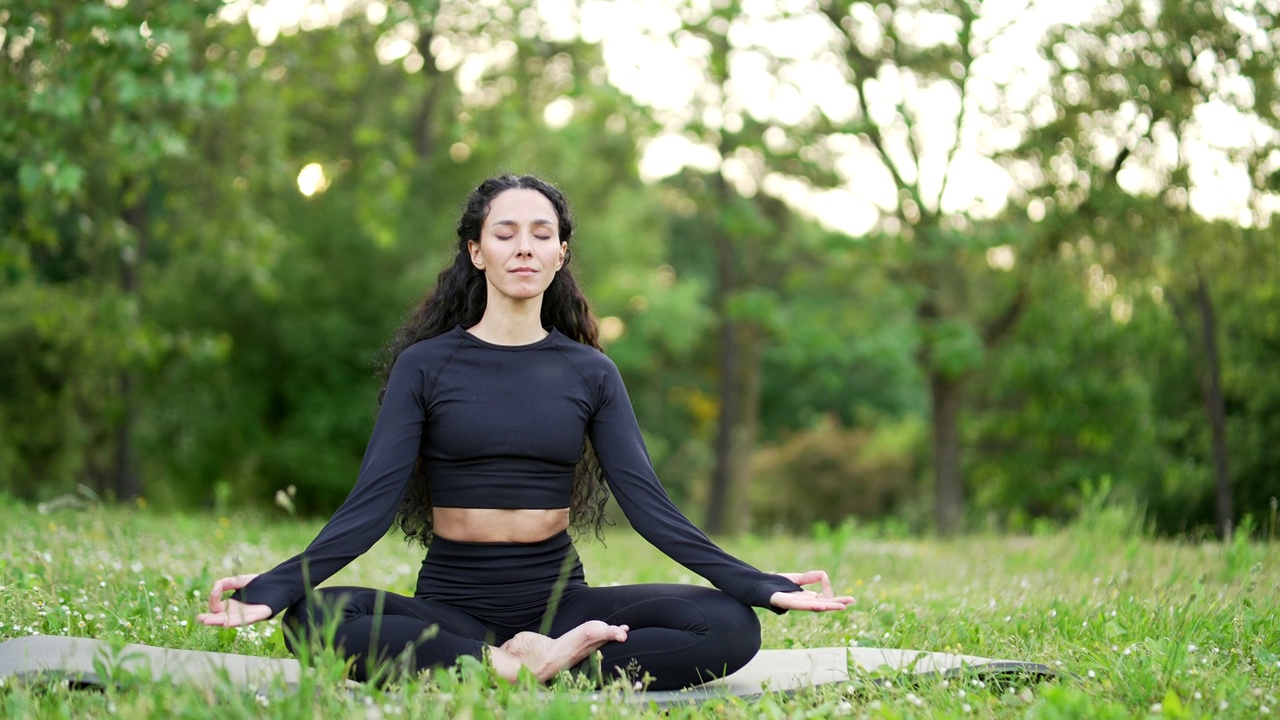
x=500 y=421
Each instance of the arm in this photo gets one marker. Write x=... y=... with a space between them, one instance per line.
x=370 y=508
x=615 y=434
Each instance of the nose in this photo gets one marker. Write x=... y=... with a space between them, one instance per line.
x=525 y=247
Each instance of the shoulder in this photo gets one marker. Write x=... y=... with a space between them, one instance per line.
x=424 y=359
x=434 y=349
x=589 y=361
x=597 y=370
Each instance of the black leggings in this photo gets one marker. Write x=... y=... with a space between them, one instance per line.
x=471 y=595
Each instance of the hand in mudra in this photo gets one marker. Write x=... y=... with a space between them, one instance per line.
x=232 y=613
x=824 y=601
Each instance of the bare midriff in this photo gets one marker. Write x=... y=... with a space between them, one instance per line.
x=498 y=525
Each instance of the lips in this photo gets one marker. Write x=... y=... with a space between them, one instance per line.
x=523 y=271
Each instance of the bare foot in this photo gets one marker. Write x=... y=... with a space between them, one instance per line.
x=546 y=656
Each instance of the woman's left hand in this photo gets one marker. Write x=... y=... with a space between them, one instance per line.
x=824 y=601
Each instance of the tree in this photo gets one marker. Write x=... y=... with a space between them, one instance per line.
x=929 y=104
x=1127 y=157
x=905 y=96
x=97 y=102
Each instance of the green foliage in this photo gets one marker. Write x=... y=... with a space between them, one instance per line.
x=101 y=102
x=161 y=274
x=830 y=473
x=1082 y=380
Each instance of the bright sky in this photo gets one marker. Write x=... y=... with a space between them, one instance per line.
x=644 y=61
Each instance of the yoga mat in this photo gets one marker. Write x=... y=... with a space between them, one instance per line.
x=84 y=661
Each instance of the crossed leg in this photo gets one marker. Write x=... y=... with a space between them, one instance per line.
x=379 y=630
x=679 y=635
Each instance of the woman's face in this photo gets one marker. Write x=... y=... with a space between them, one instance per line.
x=519 y=249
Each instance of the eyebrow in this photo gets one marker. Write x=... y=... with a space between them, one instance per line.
x=513 y=223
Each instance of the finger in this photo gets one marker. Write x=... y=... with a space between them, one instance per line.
x=215 y=596
x=212 y=619
x=807 y=578
x=826 y=584
x=820 y=606
x=810 y=601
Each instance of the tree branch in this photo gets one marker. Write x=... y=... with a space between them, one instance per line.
x=1000 y=325
x=423 y=125
x=966 y=37
x=864 y=68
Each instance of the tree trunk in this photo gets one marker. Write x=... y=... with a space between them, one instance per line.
x=424 y=122
x=729 y=502
x=126 y=480
x=722 y=474
x=944 y=399
x=751 y=374
x=1214 y=406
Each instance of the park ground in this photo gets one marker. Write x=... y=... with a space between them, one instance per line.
x=1142 y=627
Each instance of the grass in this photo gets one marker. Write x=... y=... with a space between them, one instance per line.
x=1148 y=627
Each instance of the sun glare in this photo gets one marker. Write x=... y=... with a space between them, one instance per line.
x=611 y=328
x=312 y=180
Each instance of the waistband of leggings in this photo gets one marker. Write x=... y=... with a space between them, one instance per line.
x=557 y=544
x=499 y=573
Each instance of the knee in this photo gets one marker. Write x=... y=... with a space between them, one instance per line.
x=737 y=630
x=300 y=625
x=311 y=622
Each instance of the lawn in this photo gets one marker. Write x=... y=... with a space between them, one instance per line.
x=1144 y=627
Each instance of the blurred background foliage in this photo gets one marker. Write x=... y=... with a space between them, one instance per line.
x=946 y=292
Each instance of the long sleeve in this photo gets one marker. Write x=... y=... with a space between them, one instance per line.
x=616 y=437
x=370 y=508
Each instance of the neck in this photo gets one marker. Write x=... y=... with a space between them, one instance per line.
x=511 y=323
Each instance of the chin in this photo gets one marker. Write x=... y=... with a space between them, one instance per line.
x=526 y=295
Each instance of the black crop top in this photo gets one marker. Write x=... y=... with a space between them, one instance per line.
x=502 y=427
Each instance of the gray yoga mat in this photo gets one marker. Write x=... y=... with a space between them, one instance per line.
x=85 y=661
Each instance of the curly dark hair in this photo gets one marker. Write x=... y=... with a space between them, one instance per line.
x=459 y=298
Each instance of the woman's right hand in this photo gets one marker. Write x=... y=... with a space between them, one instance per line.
x=229 y=612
